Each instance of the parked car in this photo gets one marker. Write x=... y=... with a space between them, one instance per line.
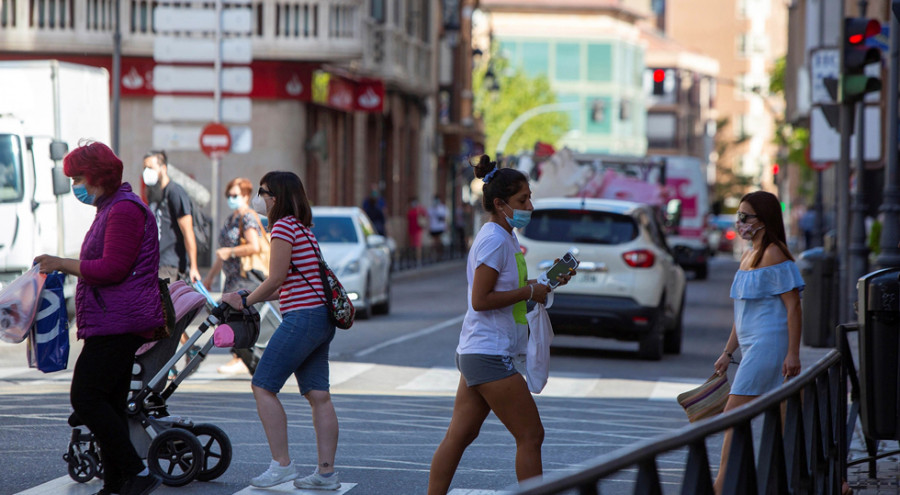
x=628 y=286
x=360 y=258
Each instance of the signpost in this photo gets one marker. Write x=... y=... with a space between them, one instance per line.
x=215 y=140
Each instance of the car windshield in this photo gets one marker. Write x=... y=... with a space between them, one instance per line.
x=11 y=187
x=583 y=226
x=334 y=229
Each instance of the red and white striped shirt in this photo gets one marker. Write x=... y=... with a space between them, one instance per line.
x=295 y=292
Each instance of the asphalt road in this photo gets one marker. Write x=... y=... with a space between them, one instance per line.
x=393 y=381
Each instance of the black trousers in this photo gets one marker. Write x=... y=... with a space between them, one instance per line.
x=99 y=392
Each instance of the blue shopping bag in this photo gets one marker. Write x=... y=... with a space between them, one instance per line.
x=48 y=345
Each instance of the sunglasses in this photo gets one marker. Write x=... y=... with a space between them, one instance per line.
x=264 y=192
x=742 y=217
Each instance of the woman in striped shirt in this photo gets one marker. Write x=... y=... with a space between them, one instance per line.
x=300 y=344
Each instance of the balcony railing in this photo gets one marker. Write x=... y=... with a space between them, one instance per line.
x=398 y=57
x=298 y=30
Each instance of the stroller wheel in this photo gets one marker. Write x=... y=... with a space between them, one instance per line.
x=216 y=451
x=176 y=456
x=82 y=467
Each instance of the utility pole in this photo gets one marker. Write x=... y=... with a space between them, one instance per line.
x=890 y=207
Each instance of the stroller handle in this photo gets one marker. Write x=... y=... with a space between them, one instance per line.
x=219 y=309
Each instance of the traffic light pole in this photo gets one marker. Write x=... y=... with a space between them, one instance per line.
x=890 y=207
x=843 y=200
x=859 y=251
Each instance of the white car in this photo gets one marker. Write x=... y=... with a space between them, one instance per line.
x=628 y=285
x=360 y=258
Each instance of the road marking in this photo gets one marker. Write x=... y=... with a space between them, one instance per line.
x=410 y=336
x=289 y=488
x=434 y=380
x=467 y=491
x=65 y=485
x=667 y=388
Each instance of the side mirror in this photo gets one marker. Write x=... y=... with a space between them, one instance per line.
x=375 y=240
x=673 y=214
x=61 y=183
x=58 y=150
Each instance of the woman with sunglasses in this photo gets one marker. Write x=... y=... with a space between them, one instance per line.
x=300 y=344
x=242 y=235
x=767 y=316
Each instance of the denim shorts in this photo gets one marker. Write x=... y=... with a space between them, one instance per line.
x=299 y=347
x=477 y=369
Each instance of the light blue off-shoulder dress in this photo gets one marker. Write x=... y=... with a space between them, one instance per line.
x=760 y=320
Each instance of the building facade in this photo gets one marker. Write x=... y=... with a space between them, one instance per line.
x=343 y=92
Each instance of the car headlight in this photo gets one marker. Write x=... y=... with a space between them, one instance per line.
x=352 y=268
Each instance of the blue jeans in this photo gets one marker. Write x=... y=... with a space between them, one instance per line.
x=299 y=347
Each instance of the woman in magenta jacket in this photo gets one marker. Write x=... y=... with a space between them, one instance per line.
x=117 y=308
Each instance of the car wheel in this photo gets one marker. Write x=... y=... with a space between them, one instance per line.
x=651 y=345
x=364 y=312
x=672 y=340
x=384 y=307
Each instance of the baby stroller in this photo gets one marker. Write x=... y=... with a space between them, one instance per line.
x=176 y=449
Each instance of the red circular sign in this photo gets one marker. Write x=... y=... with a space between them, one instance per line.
x=817 y=166
x=215 y=140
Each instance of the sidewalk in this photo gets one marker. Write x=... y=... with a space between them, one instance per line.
x=887 y=479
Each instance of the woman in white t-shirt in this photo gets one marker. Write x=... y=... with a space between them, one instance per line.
x=301 y=342
x=494 y=332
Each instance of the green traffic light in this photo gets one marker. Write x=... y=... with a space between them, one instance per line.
x=854 y=87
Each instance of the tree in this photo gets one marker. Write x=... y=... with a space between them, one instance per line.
x=516 y=92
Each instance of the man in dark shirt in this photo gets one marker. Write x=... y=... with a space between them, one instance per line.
x=172 y=207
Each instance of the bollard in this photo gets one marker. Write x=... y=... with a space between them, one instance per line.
x=879 y=346
x=818 y=302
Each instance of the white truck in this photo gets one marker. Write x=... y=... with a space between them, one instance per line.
x=46 y=108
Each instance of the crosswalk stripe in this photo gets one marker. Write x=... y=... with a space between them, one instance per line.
x=289 y=488
x=66 y=486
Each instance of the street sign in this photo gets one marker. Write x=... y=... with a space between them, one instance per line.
x=825 y=142
x=176 y=137
x=198 y=50
x=200 y=109
x=196 y=79
x=215 y=140
x=171 y=19
x=823 y=63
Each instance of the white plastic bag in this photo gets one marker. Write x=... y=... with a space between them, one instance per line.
x=19 y=302
x=537 y=358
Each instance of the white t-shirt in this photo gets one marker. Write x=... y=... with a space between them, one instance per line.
x=495 y=331
x=437 y=216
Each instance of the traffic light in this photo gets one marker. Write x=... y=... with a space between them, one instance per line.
x=775 y=169
x=659 y=81
x=855 y=56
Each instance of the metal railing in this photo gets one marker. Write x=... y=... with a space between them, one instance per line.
x=805 y=454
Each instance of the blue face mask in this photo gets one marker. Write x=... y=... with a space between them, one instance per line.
x=519 y=219
x=81 y=194
x=234 y=203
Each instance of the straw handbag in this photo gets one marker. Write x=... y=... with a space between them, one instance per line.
x=706 y=400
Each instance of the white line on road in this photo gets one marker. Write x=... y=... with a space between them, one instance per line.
x=410 y=336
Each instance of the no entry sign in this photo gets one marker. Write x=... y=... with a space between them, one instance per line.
x=215 y=140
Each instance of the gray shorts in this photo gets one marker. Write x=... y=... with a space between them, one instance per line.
x=477 y=369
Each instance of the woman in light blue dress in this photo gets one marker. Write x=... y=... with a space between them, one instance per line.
x=767 y=316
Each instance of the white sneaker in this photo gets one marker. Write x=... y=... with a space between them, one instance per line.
x=275 y=475
x=233 y=368
x=316 y=481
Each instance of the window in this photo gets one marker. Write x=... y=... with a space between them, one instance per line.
x=335 y=229
x=743 y=44
x=662 y=130
x=581 y=226
x=599 y=115
x=599 y=63
x=568 y=62
x=536 y=58
x=377 y=11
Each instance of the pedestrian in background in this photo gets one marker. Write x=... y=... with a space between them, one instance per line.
x=767 y=314
x=416 y=222
x=437 y=224
x=374 y=206
x=171 y=205
x=494 y=331
x=301 y=342
x=241 y=236
x=117 y=309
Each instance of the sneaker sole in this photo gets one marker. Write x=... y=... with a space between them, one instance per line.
x=318 y=488
x=273 y=484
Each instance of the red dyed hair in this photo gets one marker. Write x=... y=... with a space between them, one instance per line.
x=243 y=184
x=97 y=163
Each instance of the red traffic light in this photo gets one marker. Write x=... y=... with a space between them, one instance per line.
x=776 y=168
x=659 y=75
x=859 y=29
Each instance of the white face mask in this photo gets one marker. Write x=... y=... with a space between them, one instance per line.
x=150 y=176
x=258 y=204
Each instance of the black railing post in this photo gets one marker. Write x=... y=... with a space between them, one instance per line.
x=697 y=477
x=648 y=479
x=740 y=472
x=772 y=475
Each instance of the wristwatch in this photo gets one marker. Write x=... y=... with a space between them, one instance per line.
x=244 y=293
